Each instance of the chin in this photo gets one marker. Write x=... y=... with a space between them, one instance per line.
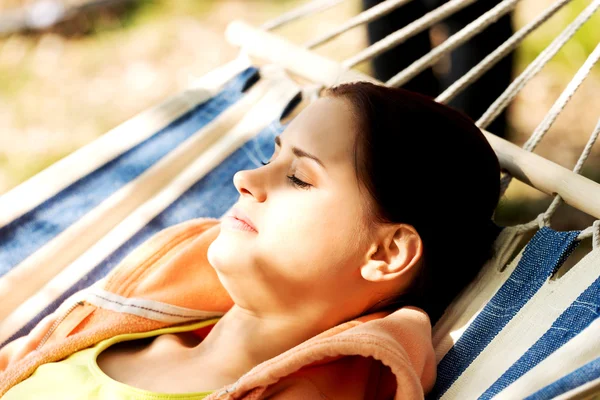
x=226 y=261
x=224 y=253
x=213 y=253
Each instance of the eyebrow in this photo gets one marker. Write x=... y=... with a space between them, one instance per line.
x=300 y=153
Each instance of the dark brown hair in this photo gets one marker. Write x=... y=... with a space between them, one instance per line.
x=407 y=140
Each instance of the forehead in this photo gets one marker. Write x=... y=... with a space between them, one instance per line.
x=325 y=128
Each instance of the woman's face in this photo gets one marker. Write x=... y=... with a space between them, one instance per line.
x=310 y=239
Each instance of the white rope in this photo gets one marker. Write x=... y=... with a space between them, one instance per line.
x=303 y=11
x=593 y=232
x=488 y=62
x=586 y=233
x=408 y=31
x=538 y=222
x=588 y=149
x=475 y=27
x=557 y=201
x=532 y=69
x=563 y=99
x=364 y=17
x=555 y=110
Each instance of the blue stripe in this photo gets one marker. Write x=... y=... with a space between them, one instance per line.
x=580 y=376
x=211 y=196
x=543 y=254
x=26 y=234
x=579 y=315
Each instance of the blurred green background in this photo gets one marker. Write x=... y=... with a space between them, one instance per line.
x=64 y=86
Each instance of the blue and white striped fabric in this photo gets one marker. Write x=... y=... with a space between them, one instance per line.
x=210 y=196
x=582 y=375
x=189 y=164
x=543 y=254
x=529 y=325
x=578 y=316
x=27 y=233
x=565 y=356
x=512 y=333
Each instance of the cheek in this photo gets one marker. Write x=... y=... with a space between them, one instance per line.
x=316 y=239
x=302 y=239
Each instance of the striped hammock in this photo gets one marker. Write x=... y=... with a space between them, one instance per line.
x=516 y=331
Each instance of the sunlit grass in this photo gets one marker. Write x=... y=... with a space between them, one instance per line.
x=574 y=53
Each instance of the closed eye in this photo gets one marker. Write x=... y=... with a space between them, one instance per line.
x=298 y=182
x=293 y=179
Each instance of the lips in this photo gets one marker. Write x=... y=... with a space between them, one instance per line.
x=239 y=215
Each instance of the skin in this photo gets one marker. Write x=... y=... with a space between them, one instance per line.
x=316 y=260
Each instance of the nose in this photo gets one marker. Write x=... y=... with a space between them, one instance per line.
x=249 y=183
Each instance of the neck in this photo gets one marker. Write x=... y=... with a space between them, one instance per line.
x=244 y=339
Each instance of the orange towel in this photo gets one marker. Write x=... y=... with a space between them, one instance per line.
x=378 y=356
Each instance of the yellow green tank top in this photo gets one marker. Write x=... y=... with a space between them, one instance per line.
x=79 y=377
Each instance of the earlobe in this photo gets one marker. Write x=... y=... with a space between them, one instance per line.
x=397 y=254
x=373 y=270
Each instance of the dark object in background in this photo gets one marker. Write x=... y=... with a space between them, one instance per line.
x=479 y=95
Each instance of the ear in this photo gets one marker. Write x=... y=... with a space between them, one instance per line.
x=395 y=253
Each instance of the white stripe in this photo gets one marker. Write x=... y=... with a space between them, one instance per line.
x=525 y=328
x=150 y=309
x=264 y=112
x=583 y=348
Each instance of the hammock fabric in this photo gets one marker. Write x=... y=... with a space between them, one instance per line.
x=210 y=196
x=29 y=232
x=513 y=332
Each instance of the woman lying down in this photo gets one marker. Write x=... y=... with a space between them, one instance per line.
x=322 y=282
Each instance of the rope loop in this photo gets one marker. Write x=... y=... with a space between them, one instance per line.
x=542 y=220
